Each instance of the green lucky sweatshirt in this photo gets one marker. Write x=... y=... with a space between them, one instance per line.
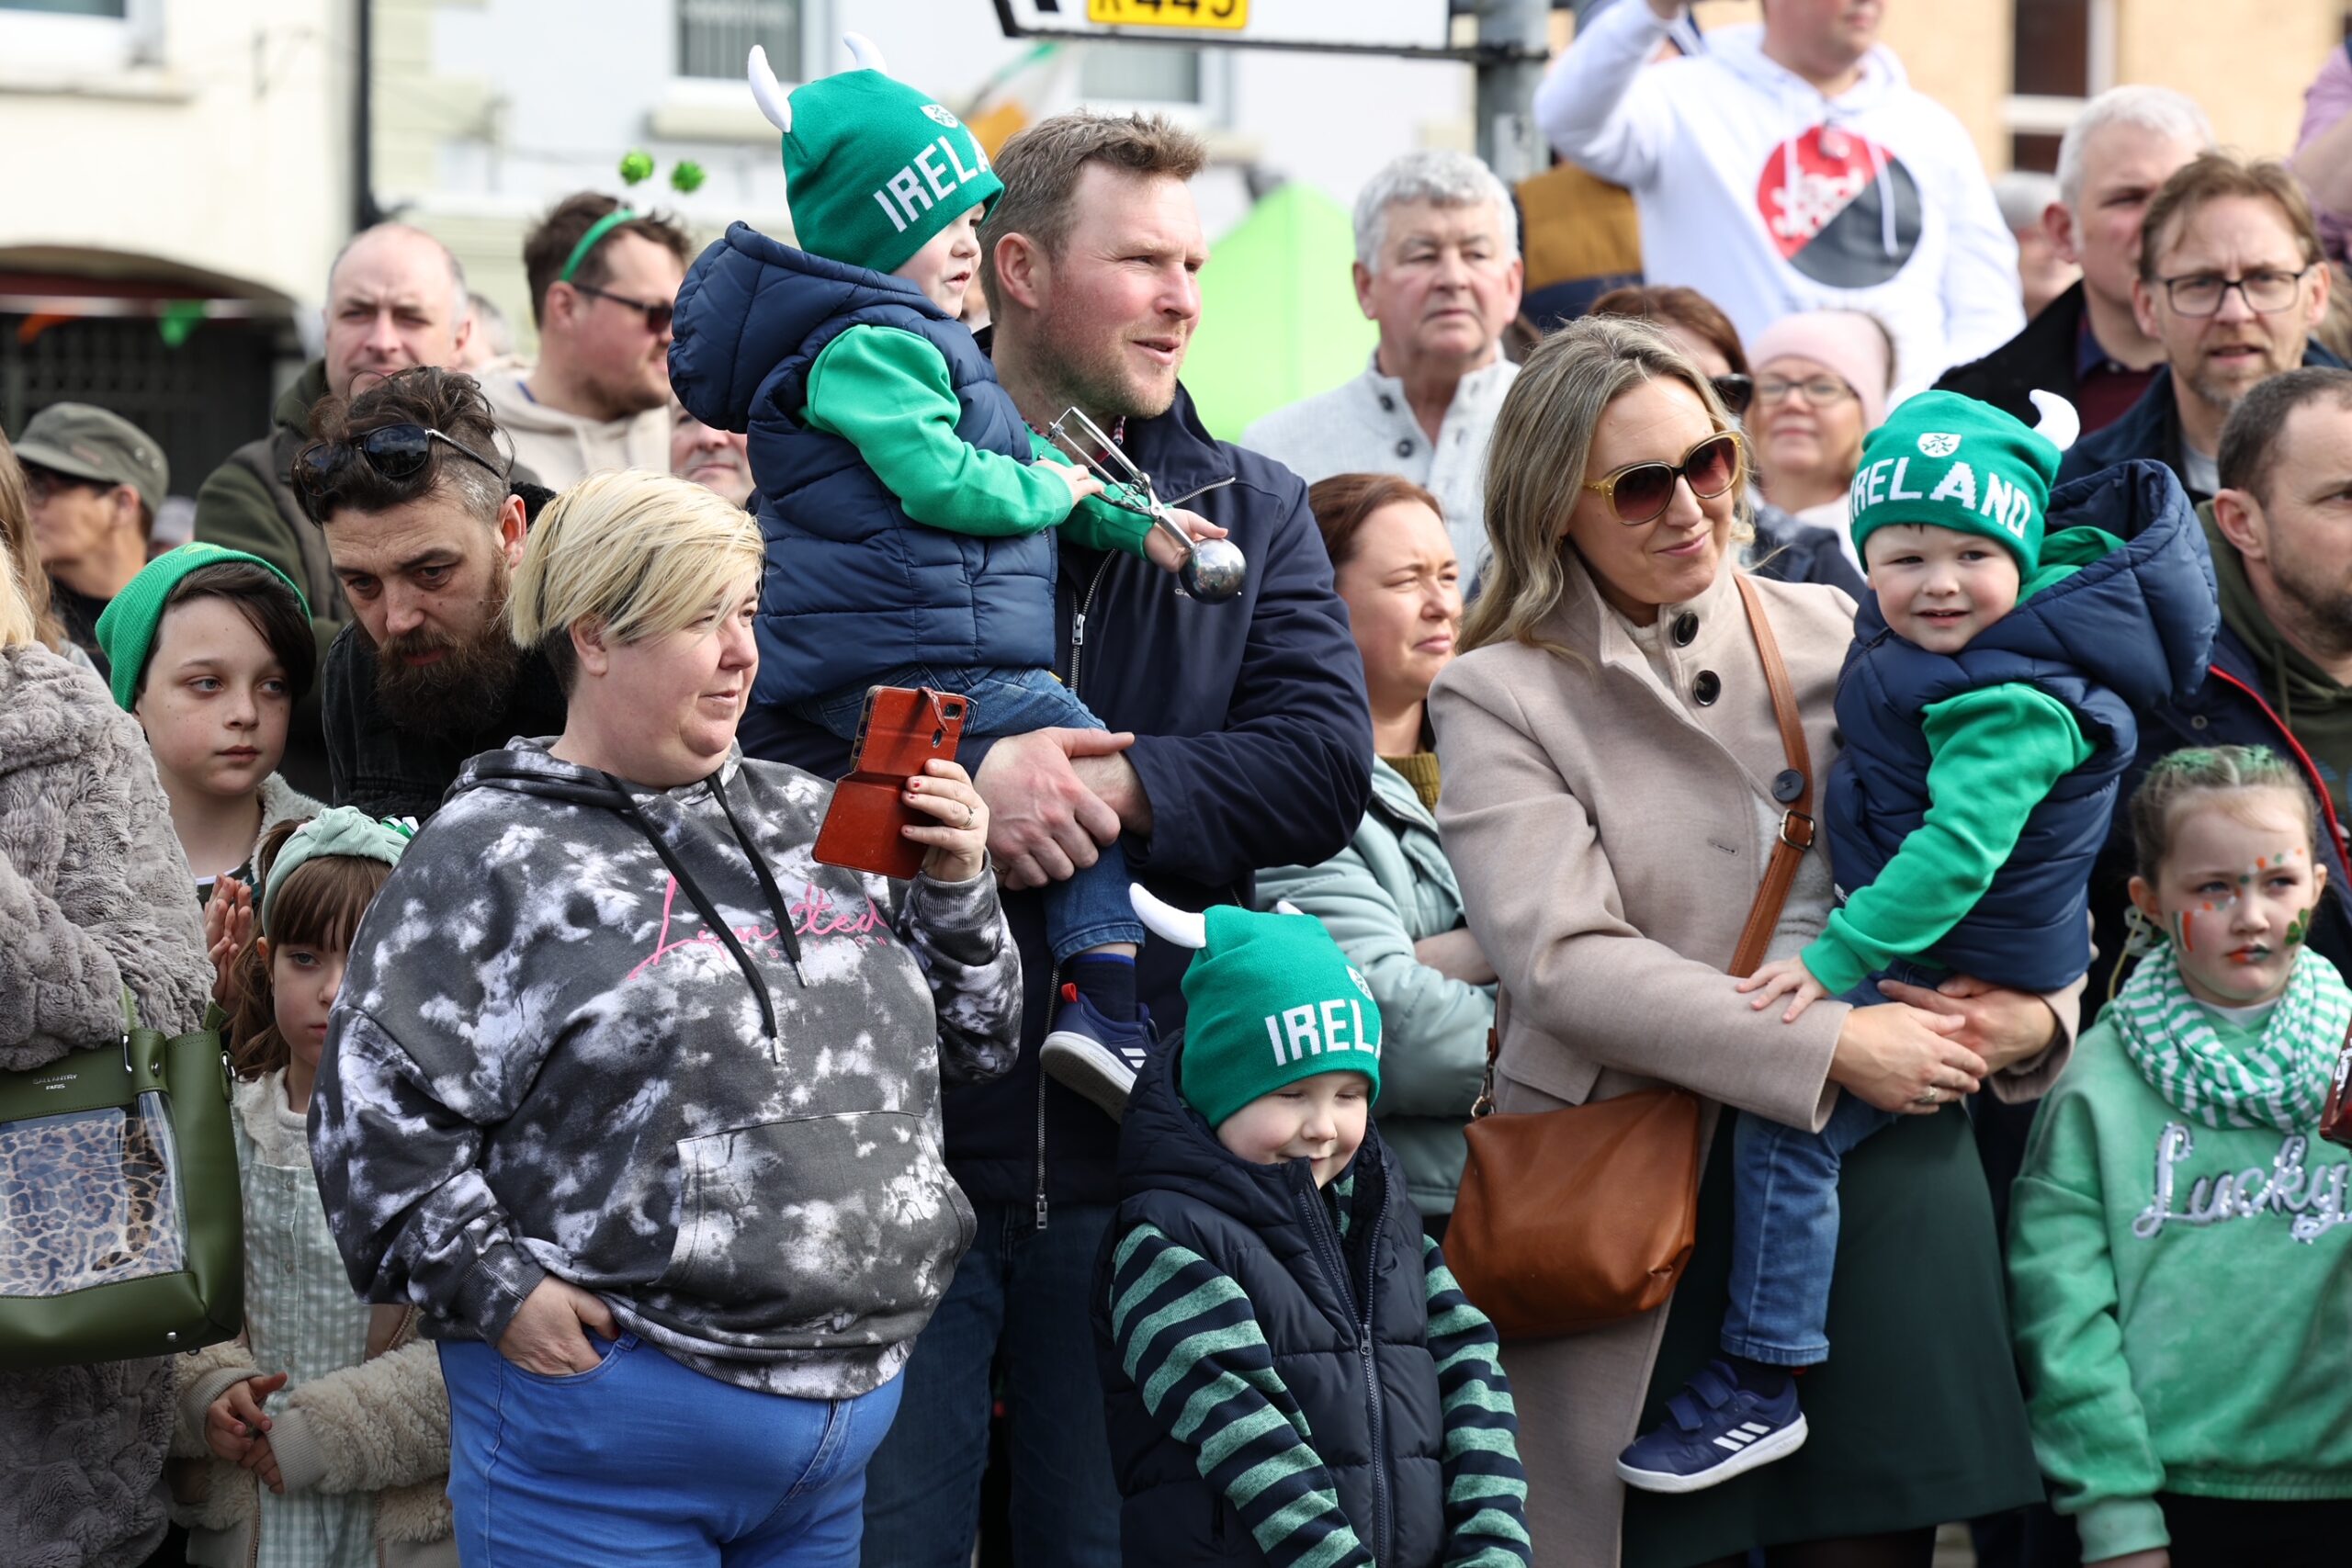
x=887 y=392
x=2182 y=1300
x=1994 y=753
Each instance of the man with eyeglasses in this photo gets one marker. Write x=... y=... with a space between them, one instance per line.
x=603 y=281
x=396 y=298
x=94 y=480
x=2232 y=283
x=409 y=486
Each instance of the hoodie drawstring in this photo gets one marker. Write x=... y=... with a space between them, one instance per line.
x=628 y=808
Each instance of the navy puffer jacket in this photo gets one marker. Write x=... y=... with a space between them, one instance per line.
x=2126 y=632
x=853 y=585
x=1346 y=1320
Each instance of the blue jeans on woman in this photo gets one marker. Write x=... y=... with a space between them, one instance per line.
x=1090 y=909
x=1784 y=1215
x=642 y=1460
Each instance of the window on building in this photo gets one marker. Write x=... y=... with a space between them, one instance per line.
x=714 y=36
x=2062 y=54
x=1140 y=74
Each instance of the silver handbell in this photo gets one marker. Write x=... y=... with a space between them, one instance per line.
x=1214 y=570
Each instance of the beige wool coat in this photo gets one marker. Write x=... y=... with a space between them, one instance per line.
x=1610 y=829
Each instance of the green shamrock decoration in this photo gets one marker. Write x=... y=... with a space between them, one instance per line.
x=686 y=176
x=636 y=165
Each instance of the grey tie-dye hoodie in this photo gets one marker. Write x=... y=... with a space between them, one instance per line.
x=544 y=1060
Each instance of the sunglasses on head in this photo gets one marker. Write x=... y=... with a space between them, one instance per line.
x=1639 y=492
x=1735 y=389
x=395 y=451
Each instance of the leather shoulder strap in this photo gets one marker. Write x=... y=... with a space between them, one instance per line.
x=1797 y=823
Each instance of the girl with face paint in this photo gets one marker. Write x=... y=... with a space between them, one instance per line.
x=2181 y=1417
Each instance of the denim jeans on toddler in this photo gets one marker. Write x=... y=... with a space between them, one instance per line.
x=1784 y=1215
x=644 y=1462
x=1092 y=908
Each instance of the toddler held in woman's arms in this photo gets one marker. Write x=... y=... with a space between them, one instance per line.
x=1987 y=708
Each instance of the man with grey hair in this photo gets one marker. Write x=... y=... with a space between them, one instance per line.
x=1438 y=268
x=2086 y=345
x=396 y=298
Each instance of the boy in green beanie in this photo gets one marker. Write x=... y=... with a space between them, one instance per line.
x=1986 y=710
x=1281 y=1346
x=210 y=649
x=905 y=505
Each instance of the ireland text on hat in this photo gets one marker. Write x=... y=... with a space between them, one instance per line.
x=1310 y=1030
x=907 y=190
x=2004 y=503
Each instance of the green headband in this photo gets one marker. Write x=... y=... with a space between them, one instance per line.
x=596 y=231
x=337 y=830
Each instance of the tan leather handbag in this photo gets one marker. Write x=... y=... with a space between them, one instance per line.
x=1573 y=1218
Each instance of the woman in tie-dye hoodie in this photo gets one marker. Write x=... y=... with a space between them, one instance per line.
x=639 y=1101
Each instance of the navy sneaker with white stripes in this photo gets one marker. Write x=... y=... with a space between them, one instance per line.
x=1714 y=1429
x=1095 y=1056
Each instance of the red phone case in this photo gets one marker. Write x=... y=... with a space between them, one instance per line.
x=901 y=728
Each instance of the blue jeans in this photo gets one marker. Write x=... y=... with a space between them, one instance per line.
x=1784 y=1217
x=1092 y=908
x=1021 y=1295
x=644 y=1461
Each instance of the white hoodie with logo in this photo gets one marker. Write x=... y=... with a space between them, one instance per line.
x=1768 y=197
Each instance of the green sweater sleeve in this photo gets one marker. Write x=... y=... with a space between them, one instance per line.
x=1995 y=754
x=1096 y=523
x=886 y=392
x=2091 y=1434
x=1486 y=1489
x=1189 y=1341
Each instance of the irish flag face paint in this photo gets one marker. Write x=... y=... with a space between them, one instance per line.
x=2236 y=895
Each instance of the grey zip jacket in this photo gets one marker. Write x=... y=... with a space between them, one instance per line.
x=584 y=1032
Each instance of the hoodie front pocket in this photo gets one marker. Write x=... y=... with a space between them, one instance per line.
x=818 y=1231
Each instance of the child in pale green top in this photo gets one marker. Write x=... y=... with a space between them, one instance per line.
x=2180 y=1252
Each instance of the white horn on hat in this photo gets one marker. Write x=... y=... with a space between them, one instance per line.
x=1182 y=927
x=769 y=91
x=2059 y=420
x=864 y=50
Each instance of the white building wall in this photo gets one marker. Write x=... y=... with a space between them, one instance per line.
x=212 y=134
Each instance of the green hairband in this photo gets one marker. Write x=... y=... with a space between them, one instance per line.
x=337 y=830
x=596 y=231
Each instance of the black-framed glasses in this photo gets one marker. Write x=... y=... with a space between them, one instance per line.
x=396 y=451
x=1640 y=492
x=658 y=314
x=1735 y=389
x=1819 y=391
x=2266 y=290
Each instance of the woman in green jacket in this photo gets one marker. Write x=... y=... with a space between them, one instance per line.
x=2180 y=1260
x=1389 y=897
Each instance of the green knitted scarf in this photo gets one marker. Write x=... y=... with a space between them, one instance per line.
x=2281 y=1081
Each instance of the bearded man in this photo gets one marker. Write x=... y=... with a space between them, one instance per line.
x=2233 y=283
x=409 y=483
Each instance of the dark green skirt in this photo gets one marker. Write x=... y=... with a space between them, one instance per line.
x=1917 y=1418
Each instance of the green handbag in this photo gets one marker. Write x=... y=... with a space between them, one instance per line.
x=121 y=1232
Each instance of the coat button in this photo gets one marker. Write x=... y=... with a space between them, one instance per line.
x=1404 y=448
x=1706 y=688
x=1686 y=629
x=1787 y=784
x=2197 y=721
x=1387 y=404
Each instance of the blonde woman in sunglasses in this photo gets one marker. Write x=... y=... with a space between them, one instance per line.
x=1616 y=783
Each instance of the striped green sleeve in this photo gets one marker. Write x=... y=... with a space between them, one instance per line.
x=1187 y=1338
x=1486 y=1490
